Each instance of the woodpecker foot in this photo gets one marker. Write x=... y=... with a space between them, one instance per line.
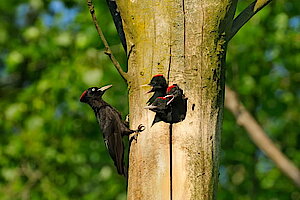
x=141 y=128
x=135 y=134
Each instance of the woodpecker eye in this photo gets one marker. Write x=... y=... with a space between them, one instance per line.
x=93 y=89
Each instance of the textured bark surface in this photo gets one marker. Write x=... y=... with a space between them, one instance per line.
x=185 y=41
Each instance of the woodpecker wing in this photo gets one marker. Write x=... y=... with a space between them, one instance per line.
x=112 y=134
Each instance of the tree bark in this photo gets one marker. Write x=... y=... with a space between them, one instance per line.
x=185 y=41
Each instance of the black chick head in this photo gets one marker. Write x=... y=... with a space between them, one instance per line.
x=158 y=82
x=174 y=90
x=158 y=85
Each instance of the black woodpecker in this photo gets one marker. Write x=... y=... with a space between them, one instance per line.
x=111 y=124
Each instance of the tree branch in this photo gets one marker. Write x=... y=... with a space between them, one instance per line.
x=246 y=15
x=115 y=13
x=259 y=137
x=107 y=48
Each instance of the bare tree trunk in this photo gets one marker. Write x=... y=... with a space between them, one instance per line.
x=185 y=41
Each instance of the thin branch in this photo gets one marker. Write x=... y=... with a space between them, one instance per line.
x=246 y=15
x=107 y=48
x=259 y=137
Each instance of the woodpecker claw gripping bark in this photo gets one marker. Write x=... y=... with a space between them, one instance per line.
x=135 y=134
x=141 y=128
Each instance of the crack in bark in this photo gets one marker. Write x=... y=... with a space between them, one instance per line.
x=170 y=127
x=170 y=62
x=171 y=160
x=153 y=42
x=202 y=35
x=184 y=31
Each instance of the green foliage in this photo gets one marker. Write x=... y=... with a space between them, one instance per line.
x=51 y=146
x=263 y=67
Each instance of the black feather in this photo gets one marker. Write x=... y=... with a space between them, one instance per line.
x=111 y=124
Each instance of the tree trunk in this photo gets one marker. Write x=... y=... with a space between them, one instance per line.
x=185 y=41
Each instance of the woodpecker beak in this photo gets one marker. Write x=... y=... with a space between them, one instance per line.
x=168 y=96
x=104 y=88
x=149 y=91
x=150 y=107
x=147 y=85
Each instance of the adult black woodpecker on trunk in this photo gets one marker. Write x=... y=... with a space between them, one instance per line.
x=111 y=124
x=159 y=86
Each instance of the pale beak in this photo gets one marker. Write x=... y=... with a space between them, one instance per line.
x=150 y=107
x=146 y=85
x=105 y=88
x=170 y=99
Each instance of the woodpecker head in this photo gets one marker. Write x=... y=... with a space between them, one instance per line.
x=158 y=82
x=171 y=89
x=174 y=92
x=93 y=93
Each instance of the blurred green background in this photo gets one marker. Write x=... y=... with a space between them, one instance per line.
x=51 y=146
